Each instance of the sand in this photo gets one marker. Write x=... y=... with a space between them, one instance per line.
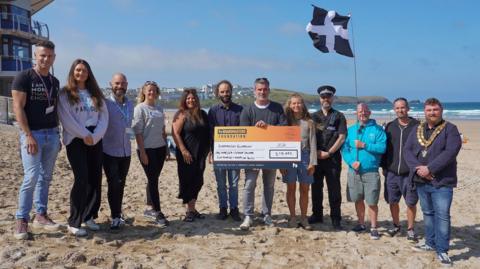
x=212 y=243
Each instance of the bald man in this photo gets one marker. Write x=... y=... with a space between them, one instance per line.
x=362 y=151
x=116 y=146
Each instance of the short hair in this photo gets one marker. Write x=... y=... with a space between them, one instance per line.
x=215 y=91
x=46 y=44
x=402 y=99
x=362 y=104
x=262 y=81
x=432 y=101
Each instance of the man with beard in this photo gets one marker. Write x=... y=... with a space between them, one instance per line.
x=431 y=154
x=226 y=113
x=331 y=130
x=396 y=170
x=261 y=113
x=116 y=146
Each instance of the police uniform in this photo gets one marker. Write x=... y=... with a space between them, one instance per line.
x=328 y=129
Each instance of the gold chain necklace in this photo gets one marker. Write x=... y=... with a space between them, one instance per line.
x=424 y=142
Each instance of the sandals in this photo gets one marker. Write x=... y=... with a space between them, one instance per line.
x=189 y=216
x=198 y=215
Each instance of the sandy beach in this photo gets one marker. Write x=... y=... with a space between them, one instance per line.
x=212 y=243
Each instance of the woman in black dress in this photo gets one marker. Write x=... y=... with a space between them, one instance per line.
x=191 y=135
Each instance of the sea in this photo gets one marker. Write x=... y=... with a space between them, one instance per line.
x=451 y=110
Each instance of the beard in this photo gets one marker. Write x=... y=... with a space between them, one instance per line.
x=326 y=105
x=226 y=99
x=119 y=92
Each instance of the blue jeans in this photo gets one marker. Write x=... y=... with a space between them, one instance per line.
x=300 y=173
x=268 y=176
x=435 y=204
x=38 y=170
x=232 y=175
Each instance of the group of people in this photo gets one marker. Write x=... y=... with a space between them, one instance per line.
x=418 y=159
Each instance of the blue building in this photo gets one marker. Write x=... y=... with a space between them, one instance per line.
x=18 y=32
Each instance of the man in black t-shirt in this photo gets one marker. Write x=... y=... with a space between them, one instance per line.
x=331 y=129
x=34 y=93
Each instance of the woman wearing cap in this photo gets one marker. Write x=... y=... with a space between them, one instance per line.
x=149 y=128
x=191 y=135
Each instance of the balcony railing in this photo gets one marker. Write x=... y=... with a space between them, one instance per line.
x=25 y=25
x=13 y=63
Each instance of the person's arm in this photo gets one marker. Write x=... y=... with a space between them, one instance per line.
x=449 y=154
x=313 y=148
x=245 y=117
x=409 y=151
x=282 y=119
x=102 y=123
x=138 y=126
x=19 y=101
x=380 y=144
x=69 y=123
x=211 y=124
x=337 y=145
x=177 y=126
x=347 y=152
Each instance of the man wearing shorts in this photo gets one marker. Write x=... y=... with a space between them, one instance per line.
x=362 y=151
x=396 y=171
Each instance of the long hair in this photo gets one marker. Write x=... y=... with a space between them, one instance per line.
x=195 y=113
x=141 y=95
x=291 y=115
x=91 y=84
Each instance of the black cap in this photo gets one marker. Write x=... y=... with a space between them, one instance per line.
x=326 y=90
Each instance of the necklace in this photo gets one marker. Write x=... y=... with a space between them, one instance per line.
x=421 y=138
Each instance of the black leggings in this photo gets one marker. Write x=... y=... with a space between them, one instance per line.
x=116 y=170
x=86 y=163
x=156 y=158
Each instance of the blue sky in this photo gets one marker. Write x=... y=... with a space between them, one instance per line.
x=415 y=49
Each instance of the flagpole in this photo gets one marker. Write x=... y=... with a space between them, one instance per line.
x=354 y=60
x=356 y=84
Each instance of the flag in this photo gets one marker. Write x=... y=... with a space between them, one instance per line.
x=328 y=30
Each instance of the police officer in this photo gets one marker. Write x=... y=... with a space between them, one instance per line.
x=331 y=129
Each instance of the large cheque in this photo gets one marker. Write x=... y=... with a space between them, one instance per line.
x=253 y=147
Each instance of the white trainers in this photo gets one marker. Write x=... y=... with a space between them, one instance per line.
x=77 y=231
x=267 y=220
x=247 y=222
x=91 y=225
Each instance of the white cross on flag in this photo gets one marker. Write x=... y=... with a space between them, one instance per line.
x=328 y=30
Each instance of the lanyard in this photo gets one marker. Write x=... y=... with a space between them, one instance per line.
x=125 y=114
x=48 y=91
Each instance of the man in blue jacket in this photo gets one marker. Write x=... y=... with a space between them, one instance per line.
x=431 y=154
x=362 y=151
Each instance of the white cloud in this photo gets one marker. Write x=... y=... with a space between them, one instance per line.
x=143 y=60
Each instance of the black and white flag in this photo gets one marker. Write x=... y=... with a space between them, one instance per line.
x=328 y=30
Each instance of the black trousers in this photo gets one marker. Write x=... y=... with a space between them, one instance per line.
x=156 y=158
x=86 y=163
x=329 y=169
x=190 y=176
x=116 y=170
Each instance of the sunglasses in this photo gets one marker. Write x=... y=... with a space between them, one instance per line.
x=148 y=82
x=262 y=80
